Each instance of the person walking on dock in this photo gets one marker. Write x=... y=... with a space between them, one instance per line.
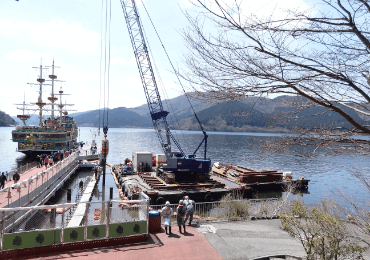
x=181 y=211
x=51 y=161
x=46 y=161
x=39 y=161
x=2 y=180
x=189 y=205
x=55 y=158
x=167 y=213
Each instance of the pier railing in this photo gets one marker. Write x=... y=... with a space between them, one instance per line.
x=21 y=169
x=28 y=191
x=232 y=210
x=55 y=225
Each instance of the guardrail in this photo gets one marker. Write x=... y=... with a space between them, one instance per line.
x=232 y=210
x=49 y=225
x=21 y=169
x=26 y=191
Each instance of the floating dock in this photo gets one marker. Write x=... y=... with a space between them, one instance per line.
x=221 y=181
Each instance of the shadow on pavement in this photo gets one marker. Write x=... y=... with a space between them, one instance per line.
x=174 y=235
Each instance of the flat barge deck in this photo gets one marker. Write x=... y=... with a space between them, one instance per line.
x=221 y=181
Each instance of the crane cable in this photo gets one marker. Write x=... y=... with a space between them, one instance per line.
x=110 y=19
x=101 y=57
x=173 y=67
x=160 y=79
x=162 y=87
x=106 y=67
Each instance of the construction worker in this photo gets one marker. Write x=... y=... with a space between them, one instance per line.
x=189 y=204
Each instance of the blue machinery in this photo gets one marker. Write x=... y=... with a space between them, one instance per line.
x=176 y=161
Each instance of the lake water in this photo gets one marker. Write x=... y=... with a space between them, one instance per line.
x=326 y=174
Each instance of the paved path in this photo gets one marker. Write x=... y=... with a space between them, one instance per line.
x=251 y=239
x=223 y=240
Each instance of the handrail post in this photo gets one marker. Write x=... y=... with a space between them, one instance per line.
x=228 y=212
x=29 y=183
x=54 y=218
x=85 y=233
x=147 y=218
x=2 y=231
x=107 y=218
x=48 y=180
x=19 y=195
x=36 y=185
x=62 y=230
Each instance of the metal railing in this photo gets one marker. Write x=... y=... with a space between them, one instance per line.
x=232 y=210
x=29 y=190
x=56 y=224
x=21 y=170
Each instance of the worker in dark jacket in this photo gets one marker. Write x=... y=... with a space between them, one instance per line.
x=181 y=211
x=189 y=205
x=2 y=180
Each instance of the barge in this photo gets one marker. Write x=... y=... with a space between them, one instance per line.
x=160 y=185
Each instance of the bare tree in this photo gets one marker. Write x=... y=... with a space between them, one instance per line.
x=322 y=232
x=320 y=56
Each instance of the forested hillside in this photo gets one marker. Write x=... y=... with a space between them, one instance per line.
x=118 y=117
x=5 y=119
x=251 y=115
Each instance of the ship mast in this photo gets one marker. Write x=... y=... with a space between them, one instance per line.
x=61 y=104
x=52 y=99
x=39 y=103
x=23 y=117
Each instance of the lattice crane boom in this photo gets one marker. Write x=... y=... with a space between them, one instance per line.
x=176 y=161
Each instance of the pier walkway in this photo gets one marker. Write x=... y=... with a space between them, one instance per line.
x=36 y=183
x=31 y=183
x=82 y=207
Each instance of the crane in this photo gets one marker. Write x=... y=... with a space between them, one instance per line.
x=176 y=162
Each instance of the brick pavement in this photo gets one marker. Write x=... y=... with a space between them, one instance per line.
x=192 y=245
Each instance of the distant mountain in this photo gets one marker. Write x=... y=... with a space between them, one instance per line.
x=6 y=120
x=178 y=107
x=117 y=117
x=251 y=115
x=235 y=114
x=267 y=115
x=316 y=117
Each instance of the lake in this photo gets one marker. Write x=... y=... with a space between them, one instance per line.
x=326 y=174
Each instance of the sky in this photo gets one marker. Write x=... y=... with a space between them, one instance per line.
x=70 y=33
